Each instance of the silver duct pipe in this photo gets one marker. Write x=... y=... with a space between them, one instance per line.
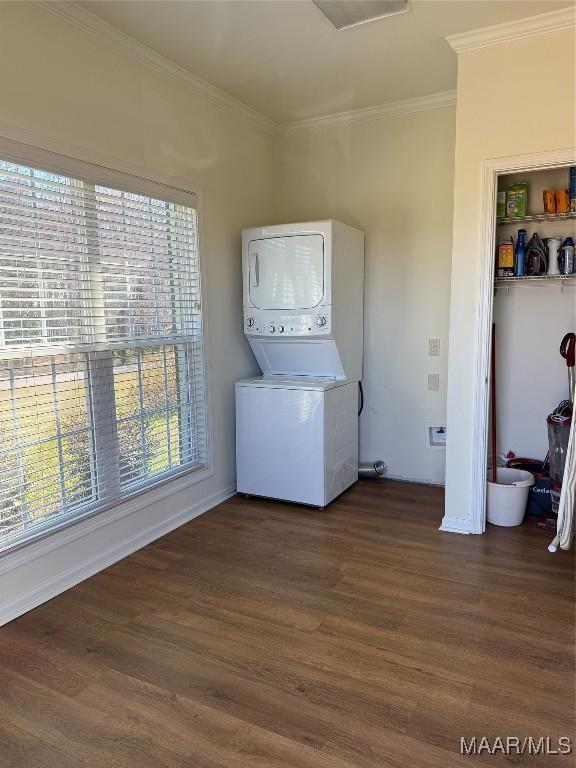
x=375 y=469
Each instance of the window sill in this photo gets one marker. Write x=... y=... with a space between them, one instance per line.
x=75 y=528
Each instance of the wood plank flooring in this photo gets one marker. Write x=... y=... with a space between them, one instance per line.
x=264 y=635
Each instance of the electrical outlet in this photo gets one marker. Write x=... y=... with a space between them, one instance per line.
x=434 y=347
x=433 y=382
x=436 y=436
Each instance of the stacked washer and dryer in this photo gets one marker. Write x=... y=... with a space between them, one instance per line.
x=297 y=424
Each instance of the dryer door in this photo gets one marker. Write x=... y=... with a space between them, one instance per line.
x=286 y=272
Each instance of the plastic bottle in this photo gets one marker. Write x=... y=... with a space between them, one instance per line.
x=568 y=251
x=520 y=268
x=554 y=245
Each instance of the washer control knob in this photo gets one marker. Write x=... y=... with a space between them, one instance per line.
x=250 y=322
x=321 y=321
x=280 y=329
x=272 y=329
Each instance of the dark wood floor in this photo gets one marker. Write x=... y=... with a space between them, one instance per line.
x=266 y=635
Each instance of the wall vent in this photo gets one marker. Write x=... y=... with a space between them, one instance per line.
x=350 y=13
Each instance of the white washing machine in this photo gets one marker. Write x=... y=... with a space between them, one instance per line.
x=296 y=437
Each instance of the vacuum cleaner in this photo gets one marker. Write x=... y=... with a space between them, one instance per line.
x=550 y=472
x=559 y=423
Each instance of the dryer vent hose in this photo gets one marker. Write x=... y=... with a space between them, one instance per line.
x=375 y=469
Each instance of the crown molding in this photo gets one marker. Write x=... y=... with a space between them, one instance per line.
x=553 y=21
x=381 y=112
x=114 y=38
x=105 y=33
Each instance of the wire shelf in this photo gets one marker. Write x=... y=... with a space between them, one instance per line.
x=536 y=217
x=537 y=280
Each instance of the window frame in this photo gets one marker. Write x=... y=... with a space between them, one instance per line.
x=170 y=189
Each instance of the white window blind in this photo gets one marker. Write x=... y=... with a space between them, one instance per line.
x=102 y=389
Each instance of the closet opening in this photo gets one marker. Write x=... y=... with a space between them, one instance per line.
x=531 y=340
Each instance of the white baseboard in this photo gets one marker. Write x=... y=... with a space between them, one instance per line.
x=31 y=599
x=418 y=480
x=456 y=525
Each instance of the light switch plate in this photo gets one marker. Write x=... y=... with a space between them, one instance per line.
x=433 y=382
x=434 y=347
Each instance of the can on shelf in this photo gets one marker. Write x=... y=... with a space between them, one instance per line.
x=549 y=201
x=506 y=259
x=572 y=190
x=562 y=199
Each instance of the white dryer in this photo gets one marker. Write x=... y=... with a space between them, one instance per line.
x=303 y=296
x=296 y=437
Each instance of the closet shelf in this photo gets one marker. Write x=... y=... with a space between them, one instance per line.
x=537 y=280
x=536 y=217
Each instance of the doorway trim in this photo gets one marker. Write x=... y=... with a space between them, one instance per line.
x=491 y=169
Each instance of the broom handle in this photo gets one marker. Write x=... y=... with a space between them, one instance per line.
x=493 y=401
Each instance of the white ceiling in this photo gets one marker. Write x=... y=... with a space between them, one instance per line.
x=284 y=59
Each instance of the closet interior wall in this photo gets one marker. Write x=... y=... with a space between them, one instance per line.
x=531 y=318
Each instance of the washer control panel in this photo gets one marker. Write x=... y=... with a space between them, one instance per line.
x=267 y=323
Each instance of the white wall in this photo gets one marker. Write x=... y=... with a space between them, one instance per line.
x=504 y=94
x=393 y=179
x=532 y=379
x=86 y=98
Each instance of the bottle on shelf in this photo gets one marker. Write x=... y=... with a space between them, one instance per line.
x=568 y=256
x=520 y=261
x=553 y=244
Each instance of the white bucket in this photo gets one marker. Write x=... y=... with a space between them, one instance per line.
x=508 y=497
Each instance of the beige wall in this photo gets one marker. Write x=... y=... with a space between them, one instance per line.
x=513 y=99
x=393 y=179
x=71 y=90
